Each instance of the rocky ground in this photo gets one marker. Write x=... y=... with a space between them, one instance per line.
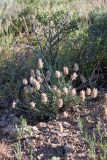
x=58 y=139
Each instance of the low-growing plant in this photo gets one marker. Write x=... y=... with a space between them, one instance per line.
x=24 y=131
x=47 y=92
x=96 y=141
x=18 y=151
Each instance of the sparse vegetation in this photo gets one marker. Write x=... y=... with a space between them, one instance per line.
x=53 y=64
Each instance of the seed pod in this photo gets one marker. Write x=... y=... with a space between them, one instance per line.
x=65 y=90
x=32 y=73
x=74 y=76
x=34 y=82
x=40 y=63
x=94 y=93
x=76 y=67
x=25 y=82
x=38 y=73
x=73 y=92
x=57 y=74
x=54 y=88
x=14 y=104
x=40 y=79
x=82 y=95
x=105 y=99
x=48 y=75
x=58 y=91
x=105 y=112
x=59 y=102
x=65 y=70
x=32 y=105
x=44 y=98
x=88 y=91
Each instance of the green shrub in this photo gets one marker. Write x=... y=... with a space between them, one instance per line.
x=97 y=46
x=68 y=38
x=46 y=93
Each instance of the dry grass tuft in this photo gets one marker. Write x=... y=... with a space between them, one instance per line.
x=5 y=151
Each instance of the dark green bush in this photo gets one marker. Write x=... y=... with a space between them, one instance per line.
x=97 y=45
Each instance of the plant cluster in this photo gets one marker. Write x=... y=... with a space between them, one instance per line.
x=96 y=141
x=48 y=92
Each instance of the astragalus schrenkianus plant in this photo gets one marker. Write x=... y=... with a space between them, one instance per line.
x=47 y=92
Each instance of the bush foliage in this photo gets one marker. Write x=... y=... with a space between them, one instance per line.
x=49 y=30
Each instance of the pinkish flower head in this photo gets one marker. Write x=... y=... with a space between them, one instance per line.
x=44 y=98
x=32 y=105
x=73 y=92
x=34 y=82
x=94 y=93
x=74 y=76
x=48 y=75
x=65 y=90
x=66 y=70
x=82 y=95
x=88 y=91
x=54 y=88
x=25 y=82
x=58 y=74
x=76 y=67
x=40 y=63
x=59 y=102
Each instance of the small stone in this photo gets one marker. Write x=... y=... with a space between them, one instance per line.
x=40 y=156
x=50 y=126
x=46 y=129
x=33 y=141
x=60 y=127
x=42 y=125
x=35 y=129
x=36 y=136
x=35 y=150
x=41 y=143
x=54 y=132
x=63 y=134
x=54 y=145
x=41 y=137
x=66 y=124
x=55 y=158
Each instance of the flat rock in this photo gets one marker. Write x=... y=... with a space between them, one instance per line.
x=66 y=124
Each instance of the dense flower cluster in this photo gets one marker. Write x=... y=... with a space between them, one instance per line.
x=47 y=90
